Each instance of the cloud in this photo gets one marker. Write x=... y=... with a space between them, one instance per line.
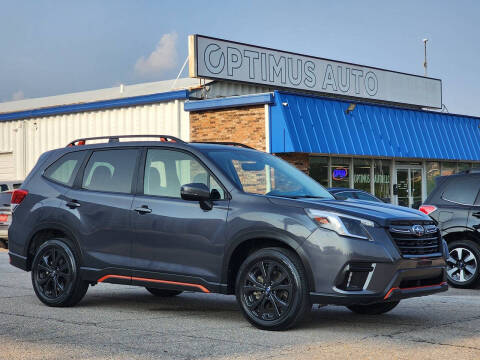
x=163 y=58
x=18 y=95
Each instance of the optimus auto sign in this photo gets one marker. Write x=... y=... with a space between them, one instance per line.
x=221 y=59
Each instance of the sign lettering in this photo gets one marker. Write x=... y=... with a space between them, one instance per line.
x=221 y=59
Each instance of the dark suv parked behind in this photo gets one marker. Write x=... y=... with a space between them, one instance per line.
x=174 y=216
x=455 y=205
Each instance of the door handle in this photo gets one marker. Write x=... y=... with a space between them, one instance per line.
x=144 y=209
x=73 y=204
x=476 y=214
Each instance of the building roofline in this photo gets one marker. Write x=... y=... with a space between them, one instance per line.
x=116 y=92
x=228 y=102
x=96 y=105
x=384 y=105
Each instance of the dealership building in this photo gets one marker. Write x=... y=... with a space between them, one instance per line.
x=346 y=125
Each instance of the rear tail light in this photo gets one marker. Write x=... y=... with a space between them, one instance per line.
x=18 y=195
x=427 y=209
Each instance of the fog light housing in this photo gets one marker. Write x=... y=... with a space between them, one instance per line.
x=356 y=276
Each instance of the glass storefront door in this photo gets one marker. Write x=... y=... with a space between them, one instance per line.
x=409 y=186
x=416 y=187
x=402 y=187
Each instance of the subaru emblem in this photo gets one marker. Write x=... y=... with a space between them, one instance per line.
x=418 y=230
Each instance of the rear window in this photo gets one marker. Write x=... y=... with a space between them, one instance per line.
x=65 y=169
x=462 y=190
x=110 y=170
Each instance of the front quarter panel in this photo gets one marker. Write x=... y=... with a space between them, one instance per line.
x=255 y=217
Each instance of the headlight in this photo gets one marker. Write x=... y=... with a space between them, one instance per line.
x=344 y=225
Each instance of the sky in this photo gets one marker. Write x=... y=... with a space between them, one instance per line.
x=56 y=47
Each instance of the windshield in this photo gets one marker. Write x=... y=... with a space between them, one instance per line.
x=264 y=174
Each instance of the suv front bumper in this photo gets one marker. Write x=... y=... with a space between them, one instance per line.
x=349 y=271
x=394 y=294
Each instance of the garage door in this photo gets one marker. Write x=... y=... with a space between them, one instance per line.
x=7 y=166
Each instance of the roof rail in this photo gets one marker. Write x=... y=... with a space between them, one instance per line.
x=116 y=138
x=231 y=143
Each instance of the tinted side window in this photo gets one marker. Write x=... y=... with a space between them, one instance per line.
x=3 y=187
x=365 y=196
x=347 y=194
x=110 y=170
x=166 y=171
x=65 y=169
x=462 y=190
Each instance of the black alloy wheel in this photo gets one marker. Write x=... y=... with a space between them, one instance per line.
x=267 y=290
x=463 y=264
x=271 y=289
x=55 y=275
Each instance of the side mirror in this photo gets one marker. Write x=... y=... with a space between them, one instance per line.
x=195 y=192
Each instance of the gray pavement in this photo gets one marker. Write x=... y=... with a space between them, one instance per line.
x=123 y=322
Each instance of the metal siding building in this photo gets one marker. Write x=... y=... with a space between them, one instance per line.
x=32 y=126
x=39 y=125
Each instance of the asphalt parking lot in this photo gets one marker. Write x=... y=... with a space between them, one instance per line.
x=122 y=322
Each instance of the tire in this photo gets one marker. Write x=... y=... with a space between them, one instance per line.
x=163 y=293
x=55 y=274
x=374 y=309
x=271 y=289
x=463 y=264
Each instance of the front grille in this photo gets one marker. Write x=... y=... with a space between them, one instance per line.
x=413 y=243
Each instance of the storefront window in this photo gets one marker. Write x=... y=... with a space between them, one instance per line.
x=361 y=177
x=340 y=172
x=413 y=163
x=449 y=168
x=433 y=170
x=382 y=179
x=463 y=166
x=319 y=170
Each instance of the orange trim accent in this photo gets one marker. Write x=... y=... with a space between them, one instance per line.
x=102 y=279
x=202 y=288
x=411 y=288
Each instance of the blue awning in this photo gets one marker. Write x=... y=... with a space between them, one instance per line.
x=308 y=124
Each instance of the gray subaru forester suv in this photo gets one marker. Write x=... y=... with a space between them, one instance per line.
x=222 y=218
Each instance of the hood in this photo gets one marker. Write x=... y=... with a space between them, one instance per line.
x=383 y=214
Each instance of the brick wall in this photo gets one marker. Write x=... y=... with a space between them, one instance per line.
x=245 y=125
x=299 y=160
